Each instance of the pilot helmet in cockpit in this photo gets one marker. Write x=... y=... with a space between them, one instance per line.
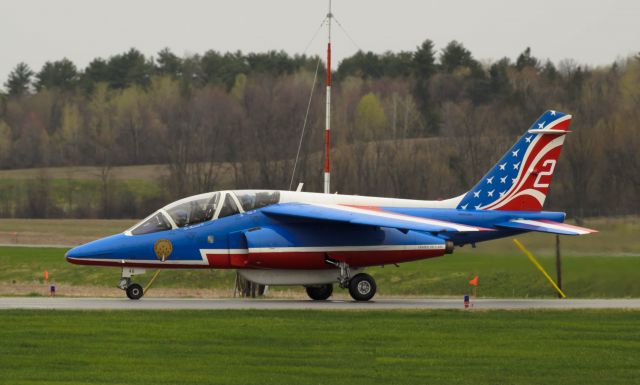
x=180 y=217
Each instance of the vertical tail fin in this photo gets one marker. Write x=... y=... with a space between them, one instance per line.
x=520 y=180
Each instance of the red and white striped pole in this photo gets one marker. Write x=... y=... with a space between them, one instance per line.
x=327 y=172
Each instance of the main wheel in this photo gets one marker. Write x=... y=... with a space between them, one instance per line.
x=362 y=287
x=134 y=291
x=319 y=293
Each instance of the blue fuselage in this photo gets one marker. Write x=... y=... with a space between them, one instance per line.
x=257 y=240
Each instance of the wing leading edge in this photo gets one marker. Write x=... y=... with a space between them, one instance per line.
x=366 y=216
x=545 y=226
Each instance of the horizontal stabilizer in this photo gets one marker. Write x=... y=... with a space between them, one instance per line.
x=370 y=216
x=545 y=226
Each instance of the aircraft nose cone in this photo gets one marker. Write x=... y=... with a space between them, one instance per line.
x=83 y=252
x=101 y=249
x=75 y=253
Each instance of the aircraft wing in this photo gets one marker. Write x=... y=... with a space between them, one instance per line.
x=545 y=226
x=370 y=216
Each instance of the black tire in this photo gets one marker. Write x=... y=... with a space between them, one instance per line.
x=362 y=287
x=134 y=291
x=319 y=293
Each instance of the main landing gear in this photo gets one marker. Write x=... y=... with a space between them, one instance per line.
x=320 y=292
x=133 y=290
x=362 y=287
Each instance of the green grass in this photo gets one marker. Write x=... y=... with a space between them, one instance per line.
x=27 y=264
x=59 y=231
x=149 y=173
x=512 y=275
x=319 y=347
x=501 y=275
x=615 y=237
x=75 y=196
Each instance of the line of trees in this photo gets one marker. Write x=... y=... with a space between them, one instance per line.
x=416 y=124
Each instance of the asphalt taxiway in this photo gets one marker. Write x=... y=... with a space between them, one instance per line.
x=67 y=303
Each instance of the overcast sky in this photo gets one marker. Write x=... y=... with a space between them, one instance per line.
x=591 y=32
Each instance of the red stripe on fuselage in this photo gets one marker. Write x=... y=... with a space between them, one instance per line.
x=316 y=259
x=284 y=260
x=371 y=208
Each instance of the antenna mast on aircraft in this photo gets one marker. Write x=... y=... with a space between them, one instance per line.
x=327 y=173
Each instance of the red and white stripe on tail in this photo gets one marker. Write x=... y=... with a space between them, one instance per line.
x=520 y=180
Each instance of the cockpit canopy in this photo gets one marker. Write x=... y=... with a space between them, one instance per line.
x=196 y=209
x=202 y=208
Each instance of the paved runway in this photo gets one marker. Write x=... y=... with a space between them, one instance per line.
x=61 y=303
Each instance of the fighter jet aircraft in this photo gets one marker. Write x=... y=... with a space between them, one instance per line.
x=317 y=240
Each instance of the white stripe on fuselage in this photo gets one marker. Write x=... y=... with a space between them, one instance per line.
x=329 y=249
x=307 y=249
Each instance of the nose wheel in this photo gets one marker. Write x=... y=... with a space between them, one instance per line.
x=134 y=291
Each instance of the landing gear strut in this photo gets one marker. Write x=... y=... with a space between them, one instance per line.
x=362 y=287
x=133 y=290
x=345 y=272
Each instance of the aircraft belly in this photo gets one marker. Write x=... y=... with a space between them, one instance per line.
x=292 y=277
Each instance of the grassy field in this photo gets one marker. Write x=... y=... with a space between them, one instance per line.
x=501 y=275
x=59 y=231
x=79 y=192
x=319 y=347
x=149 y=173
x=78 y=197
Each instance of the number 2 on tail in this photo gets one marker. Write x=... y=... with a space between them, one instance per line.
x=552 y=166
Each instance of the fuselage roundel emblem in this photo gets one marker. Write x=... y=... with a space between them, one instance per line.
x=163 y=249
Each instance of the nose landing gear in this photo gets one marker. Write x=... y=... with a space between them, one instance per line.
x=133 y=290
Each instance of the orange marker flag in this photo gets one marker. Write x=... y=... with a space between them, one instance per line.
x=46 y=275
x=474 y=281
